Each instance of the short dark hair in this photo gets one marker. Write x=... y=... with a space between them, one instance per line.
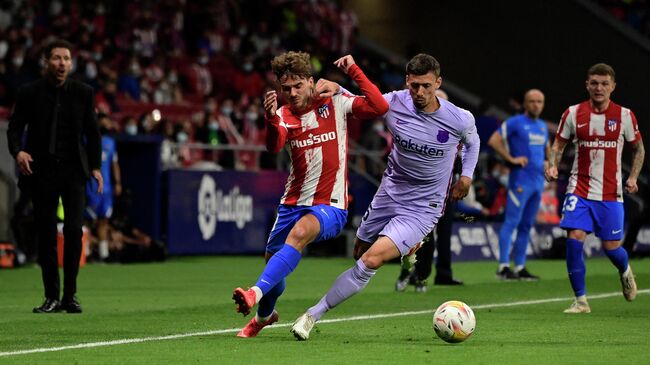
x=423 y=64
x=292 y=63
x=601 y=69
x=57 y=43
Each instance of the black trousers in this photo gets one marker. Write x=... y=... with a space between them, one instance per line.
x=442 y=244
x=53 y=179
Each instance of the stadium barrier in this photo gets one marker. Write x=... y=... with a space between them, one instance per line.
x=232 y=212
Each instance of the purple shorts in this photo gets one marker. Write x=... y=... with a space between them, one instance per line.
x=405 y=224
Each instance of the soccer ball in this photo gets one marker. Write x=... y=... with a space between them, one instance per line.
x=454 y=321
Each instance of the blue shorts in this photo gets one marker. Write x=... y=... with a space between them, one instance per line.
x=99 y=205
x=604 y=218
x=331 y=219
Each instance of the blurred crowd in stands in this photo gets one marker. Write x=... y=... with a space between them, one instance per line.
x=194 y=73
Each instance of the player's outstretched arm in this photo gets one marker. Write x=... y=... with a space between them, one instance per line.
x=471 y=147
x=373 y=105
x=638 y=155
x=276 y=132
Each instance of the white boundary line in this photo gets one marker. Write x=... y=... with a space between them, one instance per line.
x=282 y=325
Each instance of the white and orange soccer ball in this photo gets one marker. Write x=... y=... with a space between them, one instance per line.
x=454 y=321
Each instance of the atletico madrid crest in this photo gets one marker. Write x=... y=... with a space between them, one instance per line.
x=323 y=111
x=611 y=124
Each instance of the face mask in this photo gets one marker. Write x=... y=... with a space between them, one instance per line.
x=378 y=128
x=135 y=69
x=4 y=47
x=91 y=71
x=172 y=77
x=213 y=126
x=247 y=67
x=97 y=56
x=181 y=137
x=251 y=116
x=131 y=129
x=17 y=61
x=203 y=60
x=226 y=110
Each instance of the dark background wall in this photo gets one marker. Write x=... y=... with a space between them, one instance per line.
x=498 y=48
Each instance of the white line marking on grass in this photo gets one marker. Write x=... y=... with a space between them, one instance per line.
x=127 y=341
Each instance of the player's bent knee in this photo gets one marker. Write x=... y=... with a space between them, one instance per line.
x=373 y=262
x=577 y=235
x=611 y=245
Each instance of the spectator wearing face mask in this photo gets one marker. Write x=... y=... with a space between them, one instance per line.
x=130 y=126
x=129 y=81
x=247 y=80
x=199 y=76
x=252 y=136
x=185 y=135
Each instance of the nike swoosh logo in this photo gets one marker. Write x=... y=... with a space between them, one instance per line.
x=582 y=125
x=264 y=281
x=617 y=231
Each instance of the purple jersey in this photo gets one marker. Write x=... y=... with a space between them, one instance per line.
x=424 y=149
x=416 y=182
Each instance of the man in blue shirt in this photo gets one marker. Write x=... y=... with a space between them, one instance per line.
x=522 y=141
x=100 y=205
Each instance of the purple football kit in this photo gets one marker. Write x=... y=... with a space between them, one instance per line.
x=414 y=187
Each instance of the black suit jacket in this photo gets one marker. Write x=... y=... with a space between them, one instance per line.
x=34 y=108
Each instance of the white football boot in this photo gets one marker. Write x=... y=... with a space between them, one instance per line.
x=578 y=306
x=302 y=326
x=628 y=284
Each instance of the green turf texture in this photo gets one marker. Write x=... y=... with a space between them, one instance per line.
x=190 y=295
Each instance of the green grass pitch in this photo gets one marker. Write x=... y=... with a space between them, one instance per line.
x=181 y=312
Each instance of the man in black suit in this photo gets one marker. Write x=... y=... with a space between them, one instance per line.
x=61 y=150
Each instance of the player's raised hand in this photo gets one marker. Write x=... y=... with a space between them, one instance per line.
x=325 y=88
x=550 y=173
x=460 y=188
x=631 y=186
x=270 y=103
x=344 y=63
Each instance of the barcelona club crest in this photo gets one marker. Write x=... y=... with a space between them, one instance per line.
x=443 y=136
x=324 y=111
x=611 y=124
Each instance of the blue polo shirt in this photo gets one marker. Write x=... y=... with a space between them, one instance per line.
x=528 y=137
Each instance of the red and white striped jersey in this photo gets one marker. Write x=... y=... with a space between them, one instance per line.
x=317 y=142
x=598 y=138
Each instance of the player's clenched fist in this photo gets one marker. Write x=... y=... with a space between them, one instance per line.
x=344 y=63
x=270 y=103
x=325 y=88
